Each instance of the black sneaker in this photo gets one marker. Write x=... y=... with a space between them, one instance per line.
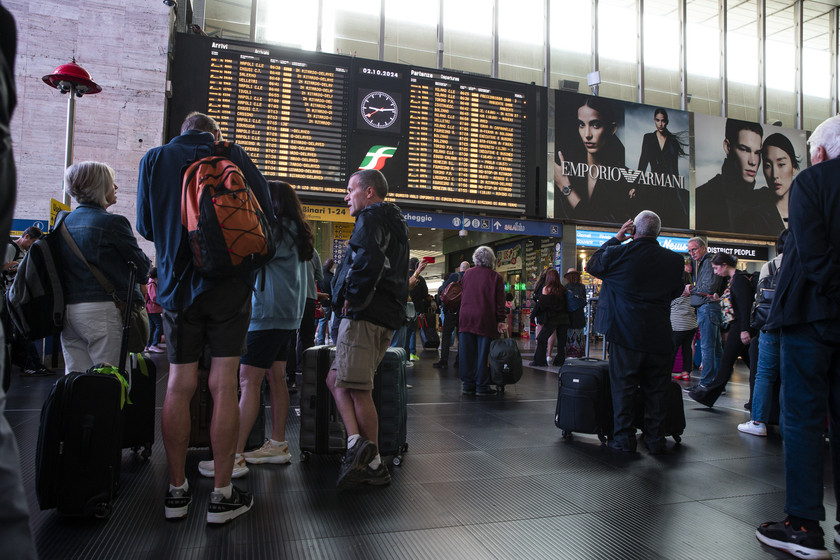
x=486 y=393
x=440 y=365
x=355 y=461
x=378 y=477
x=40 y=372
x=224 y=510
x=798 y=542
x=176 y=504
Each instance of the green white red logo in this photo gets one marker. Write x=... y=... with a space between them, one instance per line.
x=376 y=156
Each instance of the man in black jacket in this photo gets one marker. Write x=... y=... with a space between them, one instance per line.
x=634 y=313
x=807 y=309
x=371 y=288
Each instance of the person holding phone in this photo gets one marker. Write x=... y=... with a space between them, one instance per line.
x=705 y=299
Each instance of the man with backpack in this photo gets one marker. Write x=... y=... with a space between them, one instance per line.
x=197 y=310
x=450 y=313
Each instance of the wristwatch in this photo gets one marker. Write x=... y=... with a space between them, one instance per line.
x=566 y=190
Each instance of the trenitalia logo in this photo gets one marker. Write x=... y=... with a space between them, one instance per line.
x=376 y=156
x=571 y=169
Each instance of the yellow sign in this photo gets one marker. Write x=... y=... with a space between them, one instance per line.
x=328 y=213
x=56 y=206
x=342 y=231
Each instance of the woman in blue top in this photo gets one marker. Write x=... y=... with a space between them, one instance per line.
x=277 y=310
x=92 y=322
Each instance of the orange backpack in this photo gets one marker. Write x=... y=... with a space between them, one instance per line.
x=227 y=230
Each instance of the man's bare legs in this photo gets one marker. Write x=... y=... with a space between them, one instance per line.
x=224 y=426
x=357 y=410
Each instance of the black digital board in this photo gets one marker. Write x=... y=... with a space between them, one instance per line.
x=444 y=139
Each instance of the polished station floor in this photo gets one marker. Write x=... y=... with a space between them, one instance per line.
x=483 y=478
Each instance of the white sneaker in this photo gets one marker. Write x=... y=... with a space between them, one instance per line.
x=754 y=428
x=208 y=468
x=268 y=453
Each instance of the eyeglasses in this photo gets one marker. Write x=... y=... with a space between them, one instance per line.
x=694 y=250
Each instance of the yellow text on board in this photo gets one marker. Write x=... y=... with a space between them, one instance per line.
x=328 y=213
x=56 y=206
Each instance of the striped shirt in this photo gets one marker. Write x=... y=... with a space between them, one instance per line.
x=683 y=315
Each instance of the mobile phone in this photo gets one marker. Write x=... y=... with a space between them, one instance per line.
x=430 y=260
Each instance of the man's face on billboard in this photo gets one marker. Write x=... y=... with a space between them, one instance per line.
x=746 y=152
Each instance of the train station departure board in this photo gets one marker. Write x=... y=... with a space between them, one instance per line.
x=443 y=139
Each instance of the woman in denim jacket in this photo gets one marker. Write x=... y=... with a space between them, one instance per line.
x=92 y=321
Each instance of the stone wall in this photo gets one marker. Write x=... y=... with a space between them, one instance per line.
x=123 y=44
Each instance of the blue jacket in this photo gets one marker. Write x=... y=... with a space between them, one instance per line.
x=280 y=304
x=107 y=242
x=640 y=280
x=808 y=286
x=159 y=213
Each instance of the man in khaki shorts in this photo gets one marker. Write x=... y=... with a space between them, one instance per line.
x=372 y=289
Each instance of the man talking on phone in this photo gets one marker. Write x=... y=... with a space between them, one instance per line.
x=634 y=313
x=704 y=298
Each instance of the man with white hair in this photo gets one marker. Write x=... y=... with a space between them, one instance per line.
x=806 y=308
x=634 y=313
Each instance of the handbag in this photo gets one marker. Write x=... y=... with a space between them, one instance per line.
x=138 y=333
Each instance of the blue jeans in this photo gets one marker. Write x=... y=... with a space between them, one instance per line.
x=708 y=319
x=766 y=374
x=810 y=367
x=156 y=330
x=474 y=351
x=323 y=325
x=410 y=338
x=398 y=340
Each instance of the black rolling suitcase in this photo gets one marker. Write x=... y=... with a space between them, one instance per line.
x=77 y=462
x=584 y=402
x=674 y=423
x=321 y=428
x=139 y=415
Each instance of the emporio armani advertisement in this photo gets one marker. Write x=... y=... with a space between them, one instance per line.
x=744 y=172
x=614 y=158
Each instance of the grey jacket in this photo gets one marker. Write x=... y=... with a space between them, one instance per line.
x=707 y=281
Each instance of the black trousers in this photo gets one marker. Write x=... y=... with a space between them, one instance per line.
x=450 y=323
x=630 y=371
x=731 y=350
x=682 y=342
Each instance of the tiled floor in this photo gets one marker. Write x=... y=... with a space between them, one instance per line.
x=485 y=478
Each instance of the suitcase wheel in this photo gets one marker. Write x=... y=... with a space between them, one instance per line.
x=304 y=456
x=102 y=511
x=677 y=438
x=566 y=433
x=603 y=438
x=500 y=388
x=147 y=452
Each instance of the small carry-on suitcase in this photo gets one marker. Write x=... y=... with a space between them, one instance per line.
x=77 y=461
x=139 y=415
x=505 y=362
x=321 y=428
x=674 y=422
x=428 y=333
x=584 y=402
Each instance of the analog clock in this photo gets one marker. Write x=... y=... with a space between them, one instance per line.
x=379 y=109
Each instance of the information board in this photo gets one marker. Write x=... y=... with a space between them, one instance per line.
x=443 y=139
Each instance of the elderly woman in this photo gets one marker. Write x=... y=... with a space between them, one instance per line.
x=481 y=317
x=93 y=322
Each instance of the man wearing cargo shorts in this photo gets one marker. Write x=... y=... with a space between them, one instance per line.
x=372 y=289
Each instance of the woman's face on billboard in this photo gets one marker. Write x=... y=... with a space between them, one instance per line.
x=594 y=132
x=778 y=170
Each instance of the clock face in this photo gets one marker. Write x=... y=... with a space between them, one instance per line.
x=379 y=109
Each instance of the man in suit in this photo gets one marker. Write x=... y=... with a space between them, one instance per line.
x=634 y=313
x=807 y=310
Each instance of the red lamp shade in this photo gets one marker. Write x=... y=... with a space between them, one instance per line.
x=72 y=74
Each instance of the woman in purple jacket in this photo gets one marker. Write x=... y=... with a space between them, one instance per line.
x=481 y=318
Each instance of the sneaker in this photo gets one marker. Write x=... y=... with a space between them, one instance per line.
x=208 y=468
x=754 y=428
x=441 y=365
x=269 y=453
x=535 y=364
x=798 y=542
x=355 y=461
x=223 y=510
x=682 y=377
x=723 y=392
x=414 y=358
x=468 y=391
x=409 y=363
x=486 y=393
x=156 y=350
x=176 y=504
x=40 y=372
x=377 y=477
